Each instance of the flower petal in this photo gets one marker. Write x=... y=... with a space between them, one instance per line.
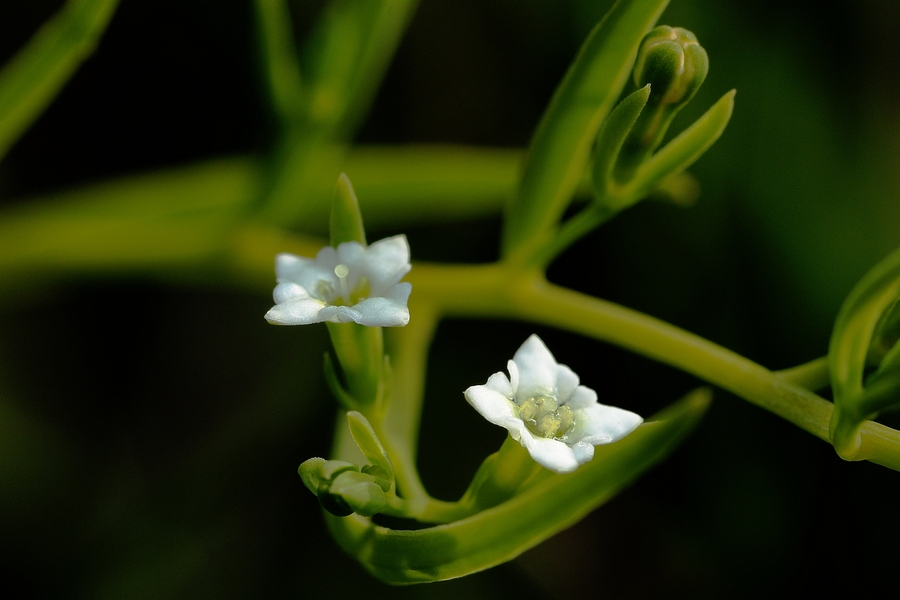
x=339 y=314
x=288 y=291
x=537 y=369
x=601 y=424
x=307 y=273
x=583 y=452
x=493 y=406
x=513 y=376
x=384 y=263
x=500 y=384
x=549 y=453
x=298 y=311
x=581 y=397
x=566 y=383
x=380 y=312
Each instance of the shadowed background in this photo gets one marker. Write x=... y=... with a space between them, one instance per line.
x=150 y=434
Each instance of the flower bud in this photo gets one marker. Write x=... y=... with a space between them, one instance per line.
x=674 y=64
x=342 y=489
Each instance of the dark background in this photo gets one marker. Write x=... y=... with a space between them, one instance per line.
x=150 y=435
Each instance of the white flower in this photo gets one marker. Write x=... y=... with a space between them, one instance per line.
x=352 y=282
x=541 y=404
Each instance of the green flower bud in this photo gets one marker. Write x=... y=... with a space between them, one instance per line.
x=674 y=64
x=343 y=489
x=380 y=475
x=357 y=491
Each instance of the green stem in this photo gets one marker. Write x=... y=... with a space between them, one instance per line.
x=813 y=375
x=591 y=217
x=498 y=291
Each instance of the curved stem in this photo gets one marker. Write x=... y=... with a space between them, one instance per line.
x=501 y=291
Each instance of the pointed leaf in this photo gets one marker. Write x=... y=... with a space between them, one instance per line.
x=681 y=152
x=611 y=137
x=561 y=146
x=34 y=76
x=346 y=221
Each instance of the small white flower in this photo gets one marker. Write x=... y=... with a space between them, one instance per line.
x=350 y=283
x=541 y=404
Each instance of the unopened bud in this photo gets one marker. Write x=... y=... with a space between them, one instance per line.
x=673 y=63
x=342 y=489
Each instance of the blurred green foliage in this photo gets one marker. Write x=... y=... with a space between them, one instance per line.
x=151 y=423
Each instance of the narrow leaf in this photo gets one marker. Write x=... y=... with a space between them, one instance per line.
x=611 y=137
x=682 y=151
x=279 y=57
x=346 y=221
x=34 y=76
x=561 y=146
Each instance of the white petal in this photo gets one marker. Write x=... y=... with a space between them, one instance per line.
x=399 y=293
x=306 y=273
x=566 y=382
x=380 y=312
x=288 y=291
x=537 y=369
x=493 y=406
x=582 y=397
x=340 y=314
x=500 y=384
x=549 y=453
x=583 y=452
x=385 y=263
x=299 y=311
x=288 y=266
x=513 y=376
x=600 y=424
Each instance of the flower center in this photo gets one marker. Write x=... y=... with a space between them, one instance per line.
x=544 y=417
x=343 y=295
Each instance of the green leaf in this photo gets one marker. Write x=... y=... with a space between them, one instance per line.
x=681 y=152
x=501 y=533
x=344 y=61
x=611 y=137
x=34 y=76
x=279 y=58
x=346 y=221
x=561 y=146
